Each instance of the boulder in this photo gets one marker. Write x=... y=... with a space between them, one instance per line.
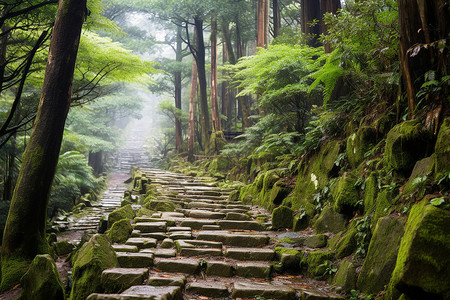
x=282 y=217
x=442 y=150
x=359 y=143
x=406 y=143
x=422 y=268
x=125 y=212
x=415 y=187
x=89 y=262
x=330 y=221
x=42 y=281
x=160 y=205
x=120 y=231
x=279 y=192
x=63 y=247
x=382 y=254
x=316 y=241
x=315 y=262
x=346 y=276
x=346 y=195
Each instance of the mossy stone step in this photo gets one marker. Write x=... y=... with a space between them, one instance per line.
x=185 y=266
x=178 y=228
x=204 y=214
x=237 y=216
x=252 y=254
x=219 y=268
x=180 y=235
x=167 y=280
x=198 y=204
x=163 y=253
x=211 y=227
x=119 y=279
x=154 y=292
x=150 y=227
x=242 y=225
x=196 y=224
x=262 y=290
x=234 y=239
x=200 y=252
x=254 y=269
x=146 y=219
x=135 y=260
x=142 y=243
x=209 y=289
x=154 y=235
x=125 y=248
x=204 y=244
x=233 y=210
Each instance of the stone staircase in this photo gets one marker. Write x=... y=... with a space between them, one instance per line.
x=208 y=248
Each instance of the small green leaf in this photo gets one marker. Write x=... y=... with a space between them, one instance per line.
x=437 y=201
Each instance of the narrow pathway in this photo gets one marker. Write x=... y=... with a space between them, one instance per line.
x=208 y=248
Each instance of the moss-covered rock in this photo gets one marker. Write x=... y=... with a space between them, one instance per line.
x=316 y=262
x=422 y=269
x=301 y=221
x=347 y=244
x=415 y=187
x=314 y=175
x=346 y=195
x=279 y=192
x=282 y=217
x=42 y=281
x=217 y=142
x=120 y=231
x=330 y=221
x=144 y=212
x=63 y=247
x=13 y=268
x=219 y=164
x=316 y=241
x=442 y=150
x=346 y=276
x=383 y=207
x=359 y=143
x=406 y=143
x=234 y=196
x=160 y=205
x=382 y=255
x=370 y=193
x=289 y=259
x=88 y=265
x=125 y=212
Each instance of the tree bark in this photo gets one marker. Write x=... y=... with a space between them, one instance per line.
x=191 y=126
x=177 y=83
x=310 y=11
x=262 y=23
x=214 y=85
x=200 y=60
x=327 y=6
x=424 y=27
x=226 y=92
x=25 y=235
x=276 y=18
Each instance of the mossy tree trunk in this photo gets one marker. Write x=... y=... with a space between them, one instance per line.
x=424 y=31
x=25 y=234
x=214 y=84
x=177 y=83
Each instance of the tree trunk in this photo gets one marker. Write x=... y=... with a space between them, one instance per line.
x=262 y=23
x=177 y=83
x=214 y=85
x=226 y=92
x=25 y=235
x=191 y=134
x=327 y=6
x=201 y=65
x=424 y=27
x=310 y=19
x=95 y=160
x=276 y=18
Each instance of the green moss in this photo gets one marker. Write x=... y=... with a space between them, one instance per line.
x=370 y=193
x=415 y=187
x=145 y=212
x=120 y=231
x=359 y=143
x=42 y=281
x=125 y=212
x=405 y=144
x=282 y=217
x=442 y=150
x=313 y=175
x=330 y=221
x=160 y=205
x=347 y=244
x=301 y=221
x=217 y=142
x=346 y=195
x=279 y=192
x=384 y=202
x=346 y=276
x=316 y=241
x=219 y=164
x=315 y=262
x=279 y=251
x=63 y=247
x=13 y=268
x=382 y=254
x=89 y=263
x=422 y=268
x=287 y=240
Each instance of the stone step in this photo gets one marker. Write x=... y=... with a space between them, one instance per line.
x=191 y=252
x=208 y=289
x=178 y=265
x=196 y=224
x=262 y=290
x=142 y=292
x=234 y=239
x=135 y=260
x=250 y=254
x=241 y=225
x=119 y=279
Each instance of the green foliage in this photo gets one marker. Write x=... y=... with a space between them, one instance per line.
x=363 y=235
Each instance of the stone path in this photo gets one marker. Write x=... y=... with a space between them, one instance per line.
x=208 y=248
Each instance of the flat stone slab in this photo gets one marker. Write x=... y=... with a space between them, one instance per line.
x=125 y=248
x=142 y=243
x=154 y=292
x=175 y=228
x=200 y=252
x=205 y=214
x=239 y=206
x=211 y=227
x=169 y=222
x=163 y=253
x=253 y=254
x=147 y=227
x=233 y=210
x=183 y=244
x=253 y=269
x=135 y=260
x=244 y=225
x=119 y=279
x=262 y=290
x=198 y=204
x=166 y=280
x=180 y=235
x=197 y=224
x=219 y=268
x=208 y=289
x=204 y=244
x=237 y=216
x=154 y=235
x=234 y=239
x=186 y=266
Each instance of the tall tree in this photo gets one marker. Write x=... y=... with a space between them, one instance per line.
x=424 y=38
x=262 y=23
x=310 y=21
x=25 y=235
x=191 y=134
x=214 y=84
